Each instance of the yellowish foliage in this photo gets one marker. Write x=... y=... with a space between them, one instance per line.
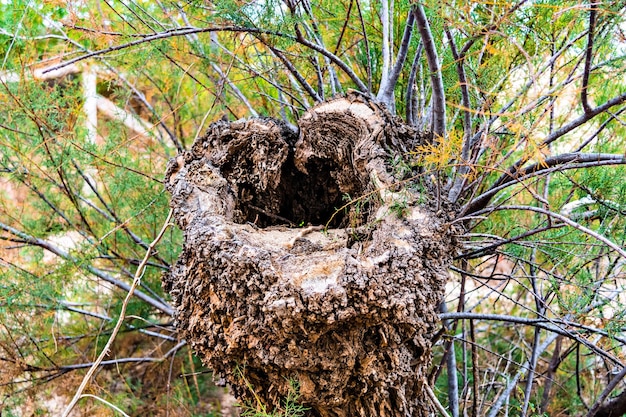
x=438 y=155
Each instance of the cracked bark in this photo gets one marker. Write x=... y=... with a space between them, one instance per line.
x=347 y=304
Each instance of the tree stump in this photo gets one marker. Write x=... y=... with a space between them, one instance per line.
x=308 y=259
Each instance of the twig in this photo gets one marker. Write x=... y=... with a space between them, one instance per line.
x=116 y=408
x=185 y=31
x=97 y=272
x=294 y=71
x=409 y=103
x=118 y=325
x=564 y=219
x=453 y=385
x=550 y=373
x=522 y=371
x=515 y=172
x=532 y=364
x=544 y=323
x=433 y=399
x=195 y=41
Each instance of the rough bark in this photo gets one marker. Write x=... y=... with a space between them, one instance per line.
x=277 y=284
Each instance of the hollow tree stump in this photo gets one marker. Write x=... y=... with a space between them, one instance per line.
x=307 y=259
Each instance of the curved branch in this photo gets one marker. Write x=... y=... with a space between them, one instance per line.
x=562 y=218
x=185 y=31
x=294 y=71
x=549 y=324
x=106 y=350
x=485 y=250
x=409 y=103
x=514 y=173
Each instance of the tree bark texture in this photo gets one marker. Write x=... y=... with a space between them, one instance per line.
x=309 y=259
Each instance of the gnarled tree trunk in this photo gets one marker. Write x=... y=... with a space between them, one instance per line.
x=308 y=259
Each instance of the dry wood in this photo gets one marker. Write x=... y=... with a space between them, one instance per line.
x=350 y=319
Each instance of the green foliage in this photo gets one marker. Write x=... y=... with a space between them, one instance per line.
x=290 y=406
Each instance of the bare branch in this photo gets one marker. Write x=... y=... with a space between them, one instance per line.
x=585 y=118
x=122 y=317
x=390 y=78
x=514 y=174
x=410 y=88
x=438 y=94
x=455 y=190
x=386 y=44
x=588 y=58
x=124 y=360
x=550 y=372
x=294 y=71
x=185 y=31
x=334 y=83
x=607 y=391
x=490 y=248
x=520 y=374
x=562 y=218
x=367 y=49
x=97 y=272
x=453 y=385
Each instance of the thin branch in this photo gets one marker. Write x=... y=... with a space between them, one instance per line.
x=433 y=399
x=550 y=373
x=335 y=60
x=514 y=173
x=410 y=88
x=438 y=94
x=195 y=42
x=122 y=317
x=607 y=391
x=513 y=382
x=456 y=188
x=294 y=71
x=588 y=58
x=97 y=272
x=113 y=406
x=185 y=31
x=367 y=49
x=453 y=385
x=562 y=218
x=335 y=85
x=485 y=250
x=390 y=79
x=584 y=118
x=346 y=20
x=124 y=360
x=532 y=365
